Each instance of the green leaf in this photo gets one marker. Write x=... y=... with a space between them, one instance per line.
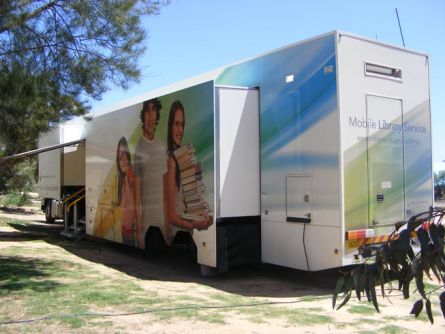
x=400 y=283
x=367 y=291
x=348 y=292
x=371 y=284
x=357 y=283
x=382 y=287
x=338 y=286
x=428 y=311
x=345 y=300
x=442 y=303
x=427 y=265
x=406 y=290
x=404 y=240
x=388 y=280
x=417 y=308
x=432 y=258
x=418 y=274
x=381 y=270
x=347 y=285
x=439 y=262
x=406 y=277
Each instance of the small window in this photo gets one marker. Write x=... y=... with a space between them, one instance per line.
x=385 y=71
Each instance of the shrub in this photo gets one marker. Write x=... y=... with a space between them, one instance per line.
x=15 y=199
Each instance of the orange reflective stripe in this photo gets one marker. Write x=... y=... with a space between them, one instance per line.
x=377 y=239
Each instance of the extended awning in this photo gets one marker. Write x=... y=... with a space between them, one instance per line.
x=40 y=150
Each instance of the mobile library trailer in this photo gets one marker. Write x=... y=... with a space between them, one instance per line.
x=293 y=158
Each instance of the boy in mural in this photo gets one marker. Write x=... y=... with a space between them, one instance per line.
x=149 y=167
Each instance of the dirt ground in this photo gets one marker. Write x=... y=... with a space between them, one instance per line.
x=170 y=273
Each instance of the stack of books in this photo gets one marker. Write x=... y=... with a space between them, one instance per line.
x=192 y=186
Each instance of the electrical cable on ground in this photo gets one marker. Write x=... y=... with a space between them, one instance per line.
x=304 y=246
x=156 y=310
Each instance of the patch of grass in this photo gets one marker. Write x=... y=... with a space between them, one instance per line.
x=22 y=276
x=184 y=307
x=257 y=319
x=142 y=303
x=362 y=309
x=307 y=316
x=8 y=221
x=431 y=287
x=74 y=322
x=366 y=321
x=230 y=299
x=214 y=318
x=102 y=324
x=21 y=251
x=190 y=299
x=392 y=317
x=44 y=287
x=343 y=325
x=203 y=314
x=303 y=316
x=393 y=329
x=187 y=313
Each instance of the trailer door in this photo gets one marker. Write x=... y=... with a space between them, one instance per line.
x=386 y=187
x=238 y=175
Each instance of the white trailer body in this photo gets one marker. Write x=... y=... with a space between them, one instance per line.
x=61 y=170
x=301 y=155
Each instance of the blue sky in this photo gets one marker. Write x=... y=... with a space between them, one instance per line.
x=190 y=37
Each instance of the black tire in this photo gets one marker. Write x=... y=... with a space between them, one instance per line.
x=191 y=247
x=154 y=241
x=207 y=271
x=48 y=218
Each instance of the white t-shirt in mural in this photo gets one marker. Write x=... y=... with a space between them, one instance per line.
x=150 y=165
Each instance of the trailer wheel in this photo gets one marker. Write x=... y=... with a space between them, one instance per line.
x=154 y=241
x=48 y=218
x=207 y=271
x=191 y=247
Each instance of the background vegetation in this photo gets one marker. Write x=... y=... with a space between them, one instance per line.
x=55 y=54
x=439 y=185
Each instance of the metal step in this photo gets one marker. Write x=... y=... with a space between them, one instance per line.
x=75 y=233
x=72 y=235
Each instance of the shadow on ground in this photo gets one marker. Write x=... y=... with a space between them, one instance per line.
x=176 y=265
x=17 y=273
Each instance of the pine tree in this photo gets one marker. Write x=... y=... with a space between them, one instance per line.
x=55 y=54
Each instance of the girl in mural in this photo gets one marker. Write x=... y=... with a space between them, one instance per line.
x=126 y=192
x=174 y=195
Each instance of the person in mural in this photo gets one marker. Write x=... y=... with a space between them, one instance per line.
x=126 y=192
x=149 y=167
x=175 y=204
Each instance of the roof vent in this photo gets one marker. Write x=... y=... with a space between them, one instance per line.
x=384 y=71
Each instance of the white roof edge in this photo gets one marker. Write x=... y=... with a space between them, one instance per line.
x=392 y=46
x=188 y=82
x=288 y=46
